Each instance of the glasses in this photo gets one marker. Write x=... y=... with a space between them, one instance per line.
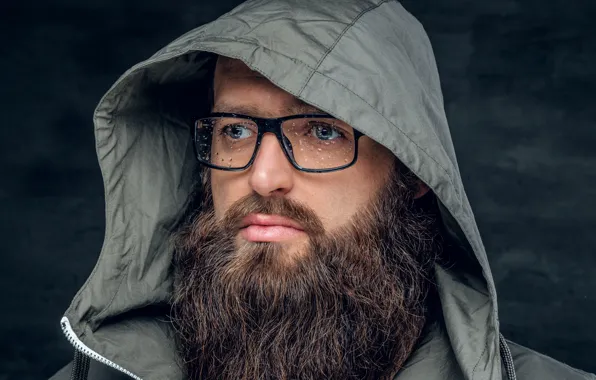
x=316 y=143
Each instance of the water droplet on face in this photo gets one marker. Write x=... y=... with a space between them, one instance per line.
x=319 y=149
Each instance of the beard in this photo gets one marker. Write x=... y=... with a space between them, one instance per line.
x=351 y=305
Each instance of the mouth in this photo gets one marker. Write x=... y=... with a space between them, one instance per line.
x=269 y=228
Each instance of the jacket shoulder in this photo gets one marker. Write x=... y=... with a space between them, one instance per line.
x=97 y=371
x=532 y=365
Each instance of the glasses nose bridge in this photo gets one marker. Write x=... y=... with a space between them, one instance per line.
x=273 y=126
x=270 y=126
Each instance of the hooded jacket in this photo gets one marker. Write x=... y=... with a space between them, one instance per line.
x=366 y=62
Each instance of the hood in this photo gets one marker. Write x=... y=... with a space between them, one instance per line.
x=368 y=63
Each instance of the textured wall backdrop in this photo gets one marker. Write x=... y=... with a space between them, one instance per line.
x=519 y=78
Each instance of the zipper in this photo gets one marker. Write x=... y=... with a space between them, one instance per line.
x=82 y=348
x=506 y=356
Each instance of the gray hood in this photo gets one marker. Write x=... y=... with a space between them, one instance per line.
x=368 y=63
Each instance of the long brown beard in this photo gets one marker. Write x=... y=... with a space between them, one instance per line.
x=352 y=306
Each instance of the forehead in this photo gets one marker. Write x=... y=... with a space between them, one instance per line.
x=299 y=107
x=229 y=69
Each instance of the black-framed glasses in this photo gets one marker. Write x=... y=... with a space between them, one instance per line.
x=315 y=143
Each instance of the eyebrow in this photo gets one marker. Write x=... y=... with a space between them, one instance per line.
x=252 y=110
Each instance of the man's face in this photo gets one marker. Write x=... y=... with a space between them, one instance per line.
x=334 y=196
x=341 y=295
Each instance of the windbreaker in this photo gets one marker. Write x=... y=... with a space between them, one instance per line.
x=366 y=62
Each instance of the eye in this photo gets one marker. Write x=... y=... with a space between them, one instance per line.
x=236 y=131
x=325 y=132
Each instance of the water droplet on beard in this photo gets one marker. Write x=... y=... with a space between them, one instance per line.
x=319 y=149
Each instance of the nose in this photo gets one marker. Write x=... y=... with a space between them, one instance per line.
x=271 y=172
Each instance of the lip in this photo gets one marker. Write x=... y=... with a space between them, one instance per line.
x=269 y=220
x=269 y=228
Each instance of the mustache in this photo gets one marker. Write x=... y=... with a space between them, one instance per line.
x=276 y=205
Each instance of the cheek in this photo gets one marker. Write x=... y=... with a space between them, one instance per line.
x=226 y=190
x=341 y=201
x=355 y=187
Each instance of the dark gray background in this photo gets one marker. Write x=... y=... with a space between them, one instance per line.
x=519 y=79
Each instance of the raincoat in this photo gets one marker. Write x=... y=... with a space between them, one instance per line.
x=366 y=62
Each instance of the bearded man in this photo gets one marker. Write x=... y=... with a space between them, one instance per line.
x=283 y=201
x=284 y=273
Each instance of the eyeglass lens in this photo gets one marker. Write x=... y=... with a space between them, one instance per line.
x=313 y=143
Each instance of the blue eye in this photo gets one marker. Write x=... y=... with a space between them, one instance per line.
x=325 y=132
x=236 y=131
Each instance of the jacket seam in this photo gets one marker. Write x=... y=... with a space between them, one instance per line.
x=479 y=358
x=330 y=48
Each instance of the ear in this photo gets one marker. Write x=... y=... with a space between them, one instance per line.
x=422 y=190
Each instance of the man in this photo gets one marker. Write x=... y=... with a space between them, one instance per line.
x=314 y=226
